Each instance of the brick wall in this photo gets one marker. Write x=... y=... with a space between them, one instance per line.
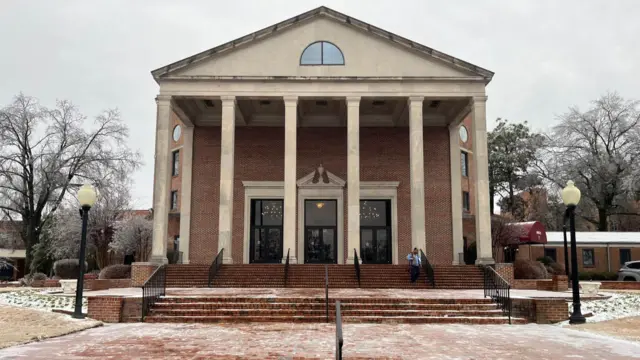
x=506 y=271
x=103 y=284
x=140 y=272
x=544 y=285
x=551 y=311
x=131 y=310
x=525 y=284
x=620 y=285
x=384 y=156
x=105 y=308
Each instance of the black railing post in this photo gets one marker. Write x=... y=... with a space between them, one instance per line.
x=215 y=265
x=326 y=291
x=498 y=289
x=153 y=289
x=428 y=269
x=286 y=269
x=356 y=263
x=339 y=338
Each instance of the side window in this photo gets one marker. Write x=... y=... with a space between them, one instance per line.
x=587 y=257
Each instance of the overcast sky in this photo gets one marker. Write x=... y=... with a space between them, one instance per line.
x=547 y=55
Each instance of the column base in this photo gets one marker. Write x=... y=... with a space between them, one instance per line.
x=227 y=260
x=159 y=260
x=485 y=261
x=292 y=260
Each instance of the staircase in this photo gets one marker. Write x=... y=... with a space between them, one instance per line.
x=354 y=310
x=312 y=276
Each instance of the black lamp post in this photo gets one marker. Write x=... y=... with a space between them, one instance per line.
x=566 y=248
x=87 y=198
x=571 y=198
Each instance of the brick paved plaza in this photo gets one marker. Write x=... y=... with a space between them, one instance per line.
x=316 y=341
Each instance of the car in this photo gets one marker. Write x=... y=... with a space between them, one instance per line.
x=630 y=271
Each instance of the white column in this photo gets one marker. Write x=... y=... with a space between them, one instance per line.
x=353 y=177
x=481 y=170
x=456 y=193
x=417 y=173
x=185 y=200
x=290 y=185
x=227 y=145
x=162 y=181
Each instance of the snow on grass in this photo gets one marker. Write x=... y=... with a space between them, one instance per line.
x=40 y=299
x=620 y=305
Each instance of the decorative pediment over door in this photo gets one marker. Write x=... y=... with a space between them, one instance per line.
x=321 y=178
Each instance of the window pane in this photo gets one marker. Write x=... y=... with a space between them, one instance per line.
x=463 y=163
x=465 y=201
x=331 y=55
x=176 y=163
x=625 y=255
x=373 y=213
x=328 y=243
x=257 y=210
x=550 y=253
x=587 y=257
x=271 y=212
x=320 y=212
x=312 y=55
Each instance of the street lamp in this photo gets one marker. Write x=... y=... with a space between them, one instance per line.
x=566 y=247
x=87 y=198
x=571 y=198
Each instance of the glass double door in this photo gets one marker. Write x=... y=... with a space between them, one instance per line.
x=266 y=231
x=320 y=229
x=375 y=231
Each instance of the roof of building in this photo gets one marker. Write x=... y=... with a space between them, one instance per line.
x=596 y=237
x=531 y=232
x=331 y=14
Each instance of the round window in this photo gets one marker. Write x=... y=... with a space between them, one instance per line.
x=464 y=136
x=176 y=133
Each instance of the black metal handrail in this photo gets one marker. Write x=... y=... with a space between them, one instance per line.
x=326 y=291
x=286 y=269
x=153 y=289
x=356 y=263
x=339 y=338
x=499 y=289
x=215 y=266
x=428 y=269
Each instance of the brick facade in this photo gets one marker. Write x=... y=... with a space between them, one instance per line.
x=601 y=262
x=384 y=156
x=105 y=308
x=140 y=272
x=506 y=271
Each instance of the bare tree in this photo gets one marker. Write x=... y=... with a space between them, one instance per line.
x=44 y=151
x=133 y=236
x=65 y=229
x=598 y=149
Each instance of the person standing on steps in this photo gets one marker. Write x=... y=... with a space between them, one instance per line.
x=414 y=264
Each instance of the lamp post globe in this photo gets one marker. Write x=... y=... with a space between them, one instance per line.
x=87 y=198
x=571 y=198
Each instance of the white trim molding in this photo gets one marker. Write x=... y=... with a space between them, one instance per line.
x=385 y=190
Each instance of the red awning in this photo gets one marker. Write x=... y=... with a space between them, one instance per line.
x=531 y=232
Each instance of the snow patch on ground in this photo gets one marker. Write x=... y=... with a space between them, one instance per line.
x=41 y=299
x=619 y=305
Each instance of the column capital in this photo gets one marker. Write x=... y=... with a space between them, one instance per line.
x=290 y=100
x=353 y=100
x=228 y=100
x=415 y=99
x=479 y=100
x=163 y=99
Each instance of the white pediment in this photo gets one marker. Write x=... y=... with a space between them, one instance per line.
x=368 y=52
x=316 y=180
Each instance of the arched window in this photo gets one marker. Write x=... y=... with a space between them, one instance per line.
x=322 y=53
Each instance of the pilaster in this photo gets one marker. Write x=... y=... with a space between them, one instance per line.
x=416 y=144
x=162 y=181
x=290 y=181
x=227 y=152
x=185 y=201
x=353 y=177
x=481 y=169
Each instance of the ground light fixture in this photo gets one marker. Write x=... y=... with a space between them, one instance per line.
x=87 y=198
x=571 y=198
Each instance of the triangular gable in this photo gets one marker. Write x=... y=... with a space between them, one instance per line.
x=321 y=178
x=447 y=64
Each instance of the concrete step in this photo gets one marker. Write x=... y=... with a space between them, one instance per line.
x=320 y=312
x=321 y=306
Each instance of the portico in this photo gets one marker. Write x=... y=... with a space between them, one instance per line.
x=320 y=159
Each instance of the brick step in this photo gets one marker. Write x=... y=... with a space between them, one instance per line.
x=320 y=312
x=481 y=320
x=321 y=306
x=319 y=299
